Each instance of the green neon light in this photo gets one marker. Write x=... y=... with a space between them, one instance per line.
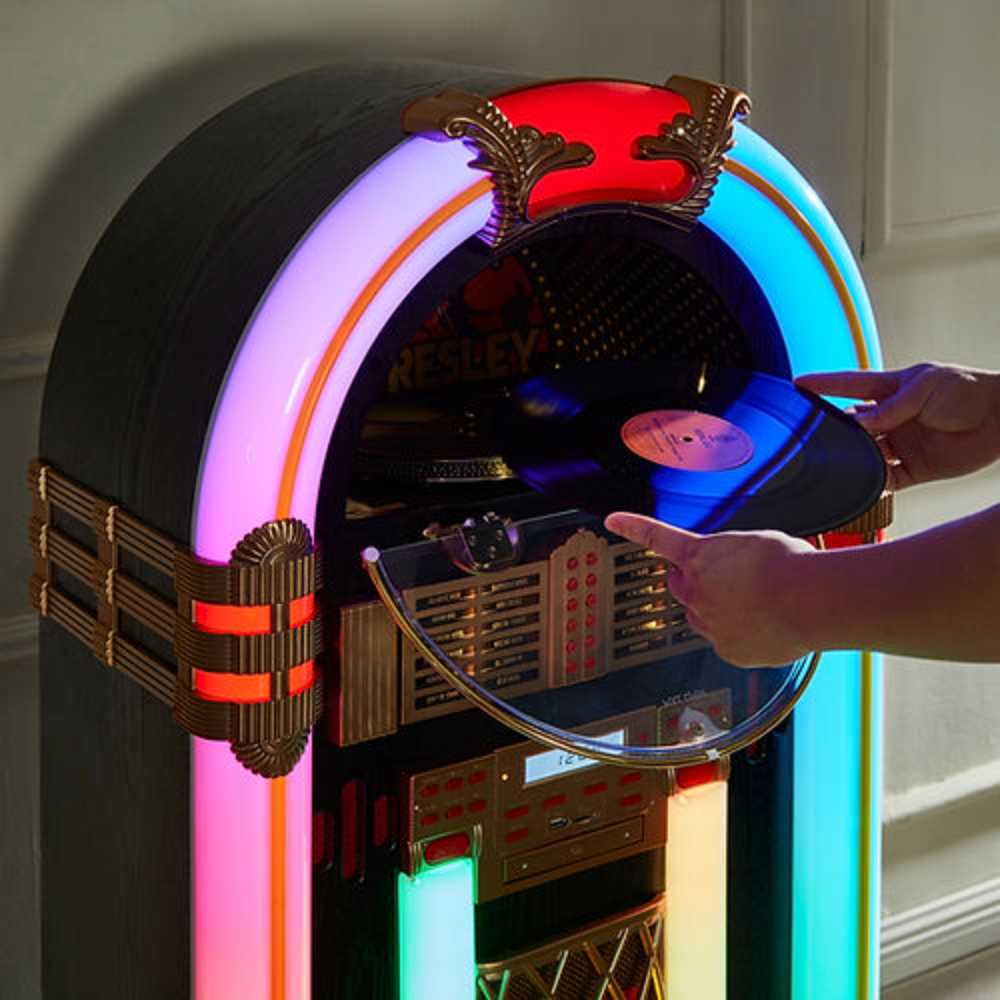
x=437 y=943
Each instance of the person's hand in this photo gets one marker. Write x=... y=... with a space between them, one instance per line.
x=931 y=421
x=739 y=588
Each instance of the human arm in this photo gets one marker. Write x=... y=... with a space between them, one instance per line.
x=764 y=598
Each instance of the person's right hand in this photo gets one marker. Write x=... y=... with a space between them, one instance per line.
x=931 y=421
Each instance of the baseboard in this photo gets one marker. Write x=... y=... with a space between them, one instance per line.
x=940 y=931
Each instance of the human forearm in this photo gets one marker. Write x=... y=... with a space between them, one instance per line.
x=933 y=595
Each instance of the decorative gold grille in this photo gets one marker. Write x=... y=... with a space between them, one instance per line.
x=617 y=959
x=270 y=570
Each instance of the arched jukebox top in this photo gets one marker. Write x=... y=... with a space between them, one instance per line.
x=275 y=281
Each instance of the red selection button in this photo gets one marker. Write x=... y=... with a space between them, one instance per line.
x=429 y=819
x=596 y=789
x=517 y=812
x=515 y=835
x=477 y=805
x=429 y=791
x=631 y=800
x=453 y=784
x=455 y=845
x=698 y=774
x=477 y=777
x=630 y=779
x=453 y=812
x=554 y=800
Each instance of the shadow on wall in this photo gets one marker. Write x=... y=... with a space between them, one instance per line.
x=110 y=154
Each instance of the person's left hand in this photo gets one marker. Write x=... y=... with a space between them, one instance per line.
x=739 y=587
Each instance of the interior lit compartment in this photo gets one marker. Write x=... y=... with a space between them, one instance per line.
x=552 y=870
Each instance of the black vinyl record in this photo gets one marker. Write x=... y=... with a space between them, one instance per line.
x=703 y=448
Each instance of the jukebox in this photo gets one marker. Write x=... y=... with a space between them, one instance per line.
x=384 y=720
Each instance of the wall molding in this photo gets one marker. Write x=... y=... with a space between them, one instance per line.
x=25 y=357
x=885 y=242
x=898 y=807
x=18 y=636
x=943 y=930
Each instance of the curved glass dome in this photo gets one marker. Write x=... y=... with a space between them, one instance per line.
x=569 y=635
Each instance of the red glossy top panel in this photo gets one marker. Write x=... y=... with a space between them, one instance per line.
x=608 y=116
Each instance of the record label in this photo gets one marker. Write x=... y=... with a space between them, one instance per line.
x=687 y=439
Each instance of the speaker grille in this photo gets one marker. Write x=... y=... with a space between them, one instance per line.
x=612 y=299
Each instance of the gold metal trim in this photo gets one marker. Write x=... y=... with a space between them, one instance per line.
x=877 y=518
x=515 y=157
x=367 y=664
x=272 y=566
x=700 y=140
x=647 y=922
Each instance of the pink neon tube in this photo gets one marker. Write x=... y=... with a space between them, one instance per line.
x=238 y=486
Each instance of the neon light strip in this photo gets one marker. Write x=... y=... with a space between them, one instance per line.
x=231 y=876
x=757 y=155
x=696 y=892
x=393 y=266
x=437 y=946
x=818 y=247
x=249 y=619
x=251 y=906
x=837 y=831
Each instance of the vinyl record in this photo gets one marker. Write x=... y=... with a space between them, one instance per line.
x=704 y=448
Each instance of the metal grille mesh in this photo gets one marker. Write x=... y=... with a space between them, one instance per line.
x=613 y=961
x=616 y=299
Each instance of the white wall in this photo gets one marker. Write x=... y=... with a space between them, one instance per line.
x=93 y=94
x=932 y=257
